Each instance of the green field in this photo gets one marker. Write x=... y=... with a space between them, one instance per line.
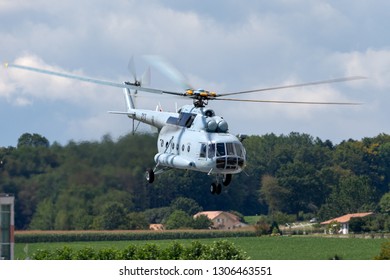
x=257 y=248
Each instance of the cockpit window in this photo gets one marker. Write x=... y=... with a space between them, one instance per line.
x=239 y=149
x=230 y=149
x=221 y=149
x=230 y=156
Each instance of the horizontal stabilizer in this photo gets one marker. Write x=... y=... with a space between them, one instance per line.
x=122 y=113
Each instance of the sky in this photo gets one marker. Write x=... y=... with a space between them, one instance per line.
x=220 y=46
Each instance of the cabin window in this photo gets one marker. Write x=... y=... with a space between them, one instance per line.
x=202 y=153
x=173 y=146
x=182 y=148
x=162 y=143
x=188 y=148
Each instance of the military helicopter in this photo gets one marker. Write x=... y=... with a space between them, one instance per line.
x=193 y=137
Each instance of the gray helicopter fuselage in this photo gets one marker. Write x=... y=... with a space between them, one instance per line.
x=196 y=139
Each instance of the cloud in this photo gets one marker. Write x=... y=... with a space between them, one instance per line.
x=371 y=63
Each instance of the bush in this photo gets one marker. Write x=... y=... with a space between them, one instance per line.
x=178 y=219
x=262 y=227
x=222 y=250
x=173 y=252
x=194 y=251
x=218 y=250
x=86 y=253
x=88 y=236
x=356 y=225
x=385 y=252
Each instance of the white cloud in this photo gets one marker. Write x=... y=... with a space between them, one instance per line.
x=372 y=63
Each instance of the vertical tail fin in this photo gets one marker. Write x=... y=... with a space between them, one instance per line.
x=129 y=99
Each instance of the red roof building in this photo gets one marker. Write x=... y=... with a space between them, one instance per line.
x=222 y=220
x=344 y=220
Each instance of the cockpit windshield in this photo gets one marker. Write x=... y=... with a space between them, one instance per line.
x=223 y=149
x=229 y=155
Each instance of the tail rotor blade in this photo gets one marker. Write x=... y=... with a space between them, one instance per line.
x=131 y=67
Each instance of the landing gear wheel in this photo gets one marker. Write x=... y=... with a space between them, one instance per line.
x=219 y=189
x=227 y=178
x=149 y=175
x=213 y=188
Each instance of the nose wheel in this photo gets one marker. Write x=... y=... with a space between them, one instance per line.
x=215 y=188
x=227 y=178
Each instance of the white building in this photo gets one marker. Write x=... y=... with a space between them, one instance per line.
x=6 y=227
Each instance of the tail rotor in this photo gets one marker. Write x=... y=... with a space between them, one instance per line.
x=144 y=81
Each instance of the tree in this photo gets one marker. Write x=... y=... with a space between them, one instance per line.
x=136 y=220
x=352 y=194
x=272 y=194
x=202 y=222
x=305 y=187
x=113 y=216
x=44 y=216
x=188 y=205
x=357 y=224
x=384 y=203
x=178 y=219
x=32 y=140
x=298 y=174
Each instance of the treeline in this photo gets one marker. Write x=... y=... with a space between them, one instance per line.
x=101 y=185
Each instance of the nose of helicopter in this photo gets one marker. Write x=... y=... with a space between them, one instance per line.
x=230 y=164
x=230 y=157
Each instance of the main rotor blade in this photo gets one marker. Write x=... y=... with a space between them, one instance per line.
x=338 y=80
x=90 y=80
x=289 y=102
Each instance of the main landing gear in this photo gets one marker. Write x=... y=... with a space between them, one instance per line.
x=149 y=175
x=216 y=187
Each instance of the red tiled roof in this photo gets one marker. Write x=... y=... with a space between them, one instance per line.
x=347 y=218
x=213 y=214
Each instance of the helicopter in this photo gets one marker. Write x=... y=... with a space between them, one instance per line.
x=194 y=137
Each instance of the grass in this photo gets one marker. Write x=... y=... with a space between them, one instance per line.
x=257 y=248
x=251 y=219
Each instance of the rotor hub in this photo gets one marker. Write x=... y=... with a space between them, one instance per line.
x=200 y=96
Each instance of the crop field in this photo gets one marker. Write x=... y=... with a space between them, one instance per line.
x=256 y=248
